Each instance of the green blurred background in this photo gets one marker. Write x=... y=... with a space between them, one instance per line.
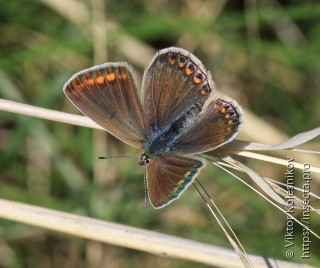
x=265 y=54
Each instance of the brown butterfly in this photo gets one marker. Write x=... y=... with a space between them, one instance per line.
x=179 y=114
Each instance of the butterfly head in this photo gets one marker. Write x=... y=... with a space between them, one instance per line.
x=144 y=159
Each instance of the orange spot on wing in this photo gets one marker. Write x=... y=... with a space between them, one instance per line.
x=187 y=174
x=204 y=92
x=227 y=116
x=78 y=84
x=111 y=77
x=180 y=182
x=100 y=79
x=223 y=110
x=181 y=64
x=189 y=71
x=123 y=76
x=230 y=122
x=197 y=80
x=90 y=82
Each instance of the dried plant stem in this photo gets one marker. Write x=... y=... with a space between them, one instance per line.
x=276 y=160
x=25 y=109
x=130 y=237
x=117 y=234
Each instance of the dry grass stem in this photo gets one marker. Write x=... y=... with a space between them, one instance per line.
x=130 y=237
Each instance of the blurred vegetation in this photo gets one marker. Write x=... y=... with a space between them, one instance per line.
x=265 y=54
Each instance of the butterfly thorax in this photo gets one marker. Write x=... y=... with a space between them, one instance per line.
x=162 y=140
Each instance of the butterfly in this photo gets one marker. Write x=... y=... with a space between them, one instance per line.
x=177 y=115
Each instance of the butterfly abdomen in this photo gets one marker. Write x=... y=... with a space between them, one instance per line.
x=161 y=141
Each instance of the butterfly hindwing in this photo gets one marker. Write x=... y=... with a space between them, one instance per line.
x=218 y=123
x=108 y=95
x=169 y=175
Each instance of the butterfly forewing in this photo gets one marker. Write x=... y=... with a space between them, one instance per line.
x=169 y=175
x=174 y=81
x=108 y=95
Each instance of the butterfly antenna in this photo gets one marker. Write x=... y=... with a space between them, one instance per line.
x=144 y=175
x=233 y=239
x=118 y=156
x=145 y=190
